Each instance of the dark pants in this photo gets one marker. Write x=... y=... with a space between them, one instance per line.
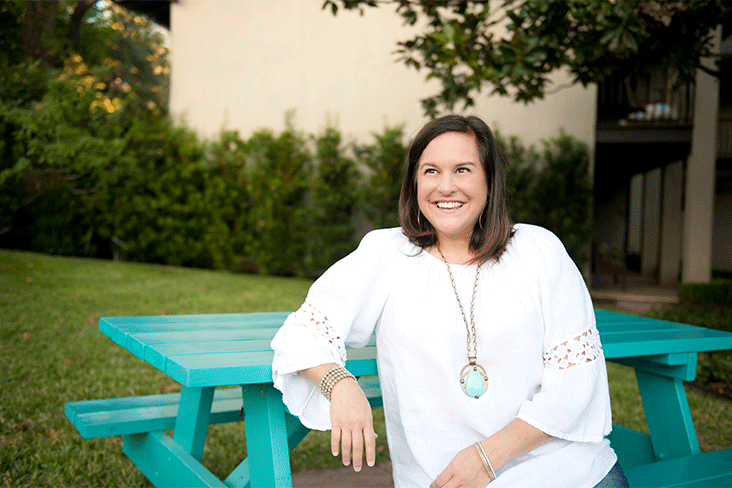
x=614 y=479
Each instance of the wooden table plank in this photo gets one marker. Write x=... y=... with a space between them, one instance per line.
x=122 y=322
x=664 y=342
x=156 y=354
x=232 y=368
x=138 y=342
x=182 y=326
x=641 y=326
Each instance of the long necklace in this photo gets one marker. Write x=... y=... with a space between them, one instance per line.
x=473 y=377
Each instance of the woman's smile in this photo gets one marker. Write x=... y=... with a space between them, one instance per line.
x=449 y=205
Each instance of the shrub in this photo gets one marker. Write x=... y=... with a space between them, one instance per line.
x=333 y=204
x=277 y=179
x=552 y=189
x=522 y=167
x=57 y=156
x=383 y=165
x=226 y=192
x=716 y=292
x=160 y=212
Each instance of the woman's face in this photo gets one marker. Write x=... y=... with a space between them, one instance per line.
x=451 y=185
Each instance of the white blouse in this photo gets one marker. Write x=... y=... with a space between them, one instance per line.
x=536 y=338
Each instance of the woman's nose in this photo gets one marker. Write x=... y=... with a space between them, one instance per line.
x=446 y=185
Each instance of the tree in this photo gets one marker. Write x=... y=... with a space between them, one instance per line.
x=462 y=45
x=78 y=81
x=101 y=41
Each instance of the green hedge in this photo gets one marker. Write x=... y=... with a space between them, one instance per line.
x=698 y=310
x=716 y=292
x=125 y=182
x=75 y=180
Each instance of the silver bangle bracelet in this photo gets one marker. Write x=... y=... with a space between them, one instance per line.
x=486 y=461
x=331 y=377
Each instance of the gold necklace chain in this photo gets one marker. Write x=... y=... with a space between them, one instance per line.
x=472 y=336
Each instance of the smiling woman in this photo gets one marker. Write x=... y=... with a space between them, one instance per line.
x=498 y=408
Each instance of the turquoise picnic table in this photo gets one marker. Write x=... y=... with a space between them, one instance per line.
x=203 y=352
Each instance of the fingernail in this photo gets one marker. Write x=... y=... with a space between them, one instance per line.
x=371 y=464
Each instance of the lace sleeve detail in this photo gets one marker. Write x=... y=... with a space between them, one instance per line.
x=583 y=349
x=313 y=319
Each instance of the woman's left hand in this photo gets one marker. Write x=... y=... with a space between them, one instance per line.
x=465 y=471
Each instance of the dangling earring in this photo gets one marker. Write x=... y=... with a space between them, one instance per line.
x=480 y=220
x=419 y=223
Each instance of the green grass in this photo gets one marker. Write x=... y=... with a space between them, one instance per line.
x=51 y=352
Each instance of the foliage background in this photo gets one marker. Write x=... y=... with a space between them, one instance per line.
x=90 y=164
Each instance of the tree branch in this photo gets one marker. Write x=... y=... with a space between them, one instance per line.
x=709 y=71
x=76 y=18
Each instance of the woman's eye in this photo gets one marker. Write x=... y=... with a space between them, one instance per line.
x=463 y=170
x=429 y=171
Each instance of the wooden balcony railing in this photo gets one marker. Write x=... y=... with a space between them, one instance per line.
x=656 y=99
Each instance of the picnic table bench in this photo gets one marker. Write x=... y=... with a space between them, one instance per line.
x=203 y=352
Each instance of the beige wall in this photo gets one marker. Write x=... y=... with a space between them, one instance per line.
x=243 y=64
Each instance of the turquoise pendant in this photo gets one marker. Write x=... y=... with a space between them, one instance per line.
x=474 y=380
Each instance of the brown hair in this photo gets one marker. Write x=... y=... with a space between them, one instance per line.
x=493 y=229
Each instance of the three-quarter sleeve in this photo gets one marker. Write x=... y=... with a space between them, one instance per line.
x=573 y=401
x=341 y=310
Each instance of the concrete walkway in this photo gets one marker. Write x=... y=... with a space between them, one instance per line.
x=377 y=477
x=637 y=299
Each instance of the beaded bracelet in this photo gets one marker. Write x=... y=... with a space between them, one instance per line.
x=331 y=377
x=486 y=461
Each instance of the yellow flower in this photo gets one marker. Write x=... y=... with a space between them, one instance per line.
x=109 y=106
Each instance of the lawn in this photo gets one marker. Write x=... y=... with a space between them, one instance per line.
x=52 y=352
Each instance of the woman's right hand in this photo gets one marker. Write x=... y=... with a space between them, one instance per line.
x=352 y=424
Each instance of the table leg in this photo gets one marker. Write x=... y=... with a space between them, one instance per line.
x=166 y=464
x=268 y=454
x=191 y=423
x=668 y=416
x=296 y=432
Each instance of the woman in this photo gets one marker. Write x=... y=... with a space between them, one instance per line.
x=490 y=365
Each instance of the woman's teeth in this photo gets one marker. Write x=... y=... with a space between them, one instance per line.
x=449 y=204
